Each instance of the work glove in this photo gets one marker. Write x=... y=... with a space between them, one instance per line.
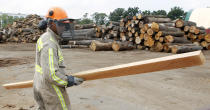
x=74 y=81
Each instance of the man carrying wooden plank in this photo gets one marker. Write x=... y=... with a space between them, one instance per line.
x=50 y=80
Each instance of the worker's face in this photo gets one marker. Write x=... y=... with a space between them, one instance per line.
x=53 y=27
x=61 y=27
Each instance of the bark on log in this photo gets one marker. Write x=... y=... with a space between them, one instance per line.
x=101 y=46
x=114 y=23
x=202 y=31
x=171 y=24
x=163 y=27
x=172 y=39
x=180 y=23
x=119 y=46
x=185 y=48
x=84 y=26
x=157 y=20
x=73 y=46
x=81 y=42
x=123 y=29
x=140 y=47
x=156 y=16
x=85 y=32
x=165 y=33
x=84 y=38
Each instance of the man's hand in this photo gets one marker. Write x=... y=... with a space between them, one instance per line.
x=74 y=81
x=78 y=81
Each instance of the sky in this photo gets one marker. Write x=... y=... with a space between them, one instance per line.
x=77 y=8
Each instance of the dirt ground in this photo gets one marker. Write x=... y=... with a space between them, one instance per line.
x=180 y=89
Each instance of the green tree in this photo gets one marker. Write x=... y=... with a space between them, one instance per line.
x=6 y=20
x=131 y=11
x=176 y=12
x=159 y=12
x=117 y=14
x=84 y=19
x=146 y=12
x=99 y=18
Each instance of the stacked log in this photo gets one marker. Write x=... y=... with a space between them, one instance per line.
x=155 y=33
x=83 y=36
x=101 y=45
x=84 y=26
x=23 y=30
x=196 y=35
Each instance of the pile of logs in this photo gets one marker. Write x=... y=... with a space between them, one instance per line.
x=23 y=30
x=155 y=33
x=197 y=35
x=83 y=36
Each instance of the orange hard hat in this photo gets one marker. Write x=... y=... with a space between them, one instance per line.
x=56 y=13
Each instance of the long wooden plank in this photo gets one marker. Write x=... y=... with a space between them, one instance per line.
x=152 y=65
x=25 y=84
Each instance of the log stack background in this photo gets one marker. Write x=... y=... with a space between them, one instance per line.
x=155 y=33
x=23 y=30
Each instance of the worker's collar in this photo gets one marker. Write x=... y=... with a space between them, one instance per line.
x=53 y=34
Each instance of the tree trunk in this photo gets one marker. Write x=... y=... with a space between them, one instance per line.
x=171 y=24
x=81 y=42
x=157 y=20
x=158 y=47
x=180 y=23
x=204 y=44
x=85 y=26
x=85 y=32
x=162 y=27
x=171 y=39
x=114 y=23
x=207 y=38
x=141 y=24
x=140 y=47
x=119 y=46
x=167 y=28
x=100 y=46
x=142 y=31
x=149 y=42
x=186 y=28
x=192 y=29
x=161 y=39
x=156 y=16
x=139 y=17
x=73 y=46
x=185 y=48
x=150 y=32
x=157 y=37
x=165 y=33
x=137 y=40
